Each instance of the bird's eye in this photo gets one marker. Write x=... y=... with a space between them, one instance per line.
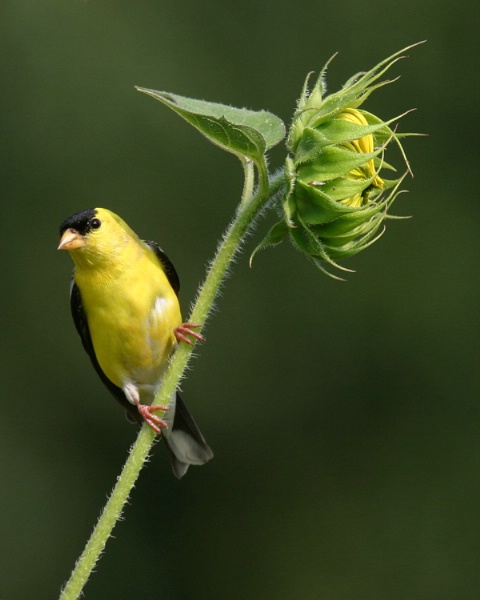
x=95 y=223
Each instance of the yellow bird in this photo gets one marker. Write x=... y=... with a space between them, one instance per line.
x=124 y=302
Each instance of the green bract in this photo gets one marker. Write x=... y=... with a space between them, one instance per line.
x=336 y=198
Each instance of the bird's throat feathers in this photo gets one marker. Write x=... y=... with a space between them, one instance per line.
x=108 y=253
x=122 y=264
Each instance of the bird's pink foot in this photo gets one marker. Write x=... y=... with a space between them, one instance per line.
x=184 y=330
x=156 y=423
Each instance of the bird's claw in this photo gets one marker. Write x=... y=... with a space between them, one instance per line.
x=156 y=423
x=184 y=330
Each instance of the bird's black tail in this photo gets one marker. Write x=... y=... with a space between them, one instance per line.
x=185 y=442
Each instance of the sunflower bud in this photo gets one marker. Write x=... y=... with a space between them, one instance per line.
x=337 y=196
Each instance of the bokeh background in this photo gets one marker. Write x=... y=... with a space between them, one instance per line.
x=344 y=416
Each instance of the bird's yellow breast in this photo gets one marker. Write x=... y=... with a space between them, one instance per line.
x=132 y=312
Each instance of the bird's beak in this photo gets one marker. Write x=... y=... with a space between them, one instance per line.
x=71 y=240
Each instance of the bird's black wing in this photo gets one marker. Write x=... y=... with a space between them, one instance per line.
x=167 y=265
x=81 y=324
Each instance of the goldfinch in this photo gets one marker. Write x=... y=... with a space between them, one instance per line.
x=124 y=302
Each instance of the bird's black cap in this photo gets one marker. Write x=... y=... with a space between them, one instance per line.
x=80 y=221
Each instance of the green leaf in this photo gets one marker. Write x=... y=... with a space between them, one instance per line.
x=333 y=161
x=317 y=207
x=245 y=133
x=306 y=242
x=339 y=131
x=348 y=222
x=335 y=131
x=276 y=235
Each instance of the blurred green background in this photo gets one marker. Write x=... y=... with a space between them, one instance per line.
x=344 y=416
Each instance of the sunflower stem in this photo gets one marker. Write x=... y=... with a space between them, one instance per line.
x=228 y=247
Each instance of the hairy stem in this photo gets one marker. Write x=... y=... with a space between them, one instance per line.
x=227 y=249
